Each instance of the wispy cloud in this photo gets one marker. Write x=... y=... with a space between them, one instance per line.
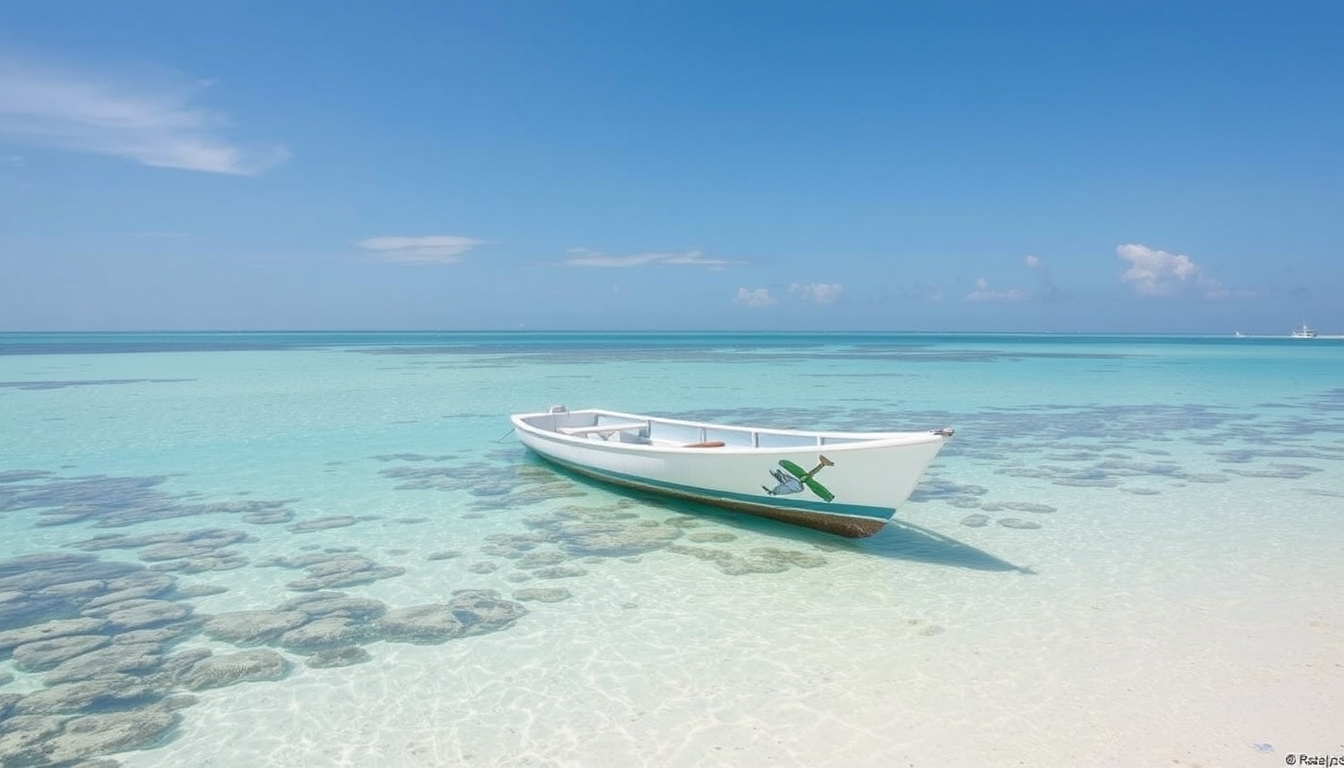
x=1157 y=273
x=818 y=293
x=984 y=293
x=754 y=297
x=149 y=120
x=584 y=257
x=429 y=249
x=12 y=160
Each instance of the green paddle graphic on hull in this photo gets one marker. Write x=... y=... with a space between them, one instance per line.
x=800 y=477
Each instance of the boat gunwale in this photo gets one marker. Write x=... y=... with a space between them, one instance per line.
x=854 y=440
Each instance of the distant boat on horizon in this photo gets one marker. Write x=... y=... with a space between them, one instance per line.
x=1304 y=332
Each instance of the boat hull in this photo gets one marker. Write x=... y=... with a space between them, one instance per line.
x=850 y=488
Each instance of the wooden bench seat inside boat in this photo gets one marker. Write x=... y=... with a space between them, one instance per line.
x=604 y=429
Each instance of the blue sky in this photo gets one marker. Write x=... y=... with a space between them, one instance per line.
x=1145 y=166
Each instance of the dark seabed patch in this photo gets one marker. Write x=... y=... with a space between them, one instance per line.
x=19 y=475
x=62 y=384
x=1323 y=492
x=1018 y=506
x=542 y=594
x=758 y=560
x=1247 y=455
x=492 y=485
x=1283 y=471
x=331 y=570
x=958 y=494
x=272 y=516
x=565 y=571
x=1013 y=522
x=711 y=537
x=327 y=523
x=609 y=531
x=964 y=502
x=115 y=502
x=1208 y=478
x=96 y=645
x=342 y=656
x=412 y=457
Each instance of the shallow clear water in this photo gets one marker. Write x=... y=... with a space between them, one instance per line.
x=1131 y=553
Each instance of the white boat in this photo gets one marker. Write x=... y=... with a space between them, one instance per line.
x=847 y=483
x=1304 y=332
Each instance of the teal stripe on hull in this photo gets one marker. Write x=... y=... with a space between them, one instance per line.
x=844 y=519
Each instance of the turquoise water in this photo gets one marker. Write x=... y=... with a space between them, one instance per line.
x=1131 y=553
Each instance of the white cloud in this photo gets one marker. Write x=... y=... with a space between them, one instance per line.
x=754 y=297
x=983 y=292
x=12 y=159
x=1158 y=273
x=149 y=121
x=430 y=249
x=1033 y=261
x=583 y=257
x=818 y=293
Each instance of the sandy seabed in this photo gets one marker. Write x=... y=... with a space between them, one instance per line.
x=1199 y=643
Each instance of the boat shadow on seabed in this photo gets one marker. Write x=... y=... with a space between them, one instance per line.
x=907 y=541
x=898 y=540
